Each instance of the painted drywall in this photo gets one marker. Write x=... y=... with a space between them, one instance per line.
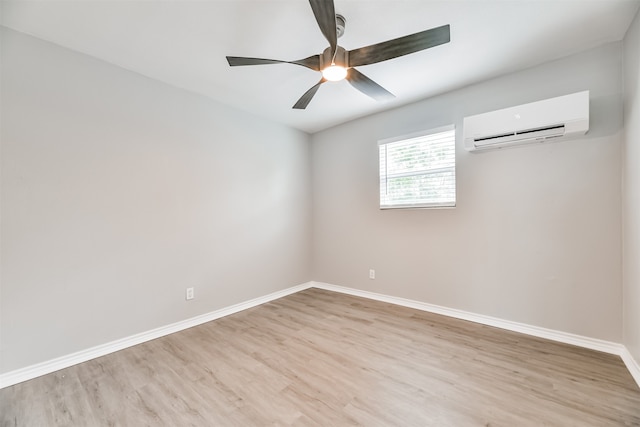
x=118 y=192
x=536 y=234
x=631 y=191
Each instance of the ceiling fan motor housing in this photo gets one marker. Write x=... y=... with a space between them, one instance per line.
x=341 y=58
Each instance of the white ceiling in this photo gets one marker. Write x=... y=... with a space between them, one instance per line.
x=184 y=43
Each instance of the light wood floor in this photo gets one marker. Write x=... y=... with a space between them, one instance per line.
x=318 y=358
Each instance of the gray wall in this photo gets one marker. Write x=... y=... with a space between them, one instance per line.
x=118 y=192
x=536 y=235
x=631 y=191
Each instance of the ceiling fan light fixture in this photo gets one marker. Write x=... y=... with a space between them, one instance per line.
x=334 y=73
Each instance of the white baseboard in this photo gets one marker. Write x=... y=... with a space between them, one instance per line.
x=632 y=365
x=554 y=335
x=34 y=371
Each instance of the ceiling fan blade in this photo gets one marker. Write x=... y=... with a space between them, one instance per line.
x=312 y=62
x=236 y=61
x=325 y=13
x=308 y=95
x=399 y=47
x=367 y=86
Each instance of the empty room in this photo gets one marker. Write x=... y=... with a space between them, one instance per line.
x=320 y=213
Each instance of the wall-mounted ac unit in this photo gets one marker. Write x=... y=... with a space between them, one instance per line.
x=539 y=121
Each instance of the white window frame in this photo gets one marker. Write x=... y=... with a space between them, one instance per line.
x=384 y=176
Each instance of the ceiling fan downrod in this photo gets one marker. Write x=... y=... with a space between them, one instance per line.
x=340 y=25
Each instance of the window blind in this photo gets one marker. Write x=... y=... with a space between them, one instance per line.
x=418 y=171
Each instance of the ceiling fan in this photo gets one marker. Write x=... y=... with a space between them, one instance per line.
x=336 y=63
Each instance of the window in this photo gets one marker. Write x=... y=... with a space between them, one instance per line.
x=419 y=171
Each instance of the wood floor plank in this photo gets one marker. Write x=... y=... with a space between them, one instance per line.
x=319 y=358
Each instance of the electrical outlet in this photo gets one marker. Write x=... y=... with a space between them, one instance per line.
x=372 y=274
x=189 y=293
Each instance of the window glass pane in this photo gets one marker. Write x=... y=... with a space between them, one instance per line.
x=419 y=171
x=420 y=156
